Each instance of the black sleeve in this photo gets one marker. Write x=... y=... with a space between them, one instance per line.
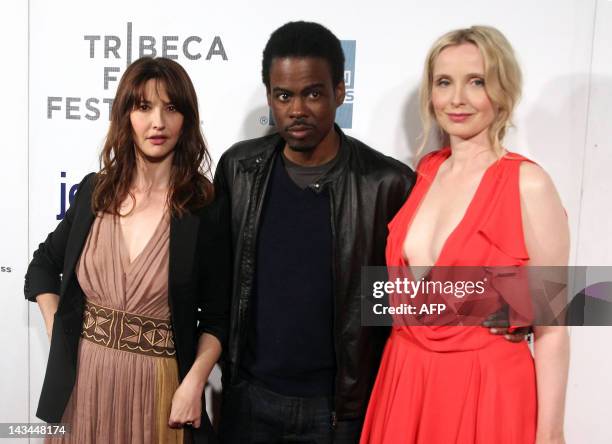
x=399 y=190
x=45 y=269
x=214 y=280
x=220 y=180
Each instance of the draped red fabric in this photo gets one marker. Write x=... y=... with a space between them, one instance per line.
x=457 y=384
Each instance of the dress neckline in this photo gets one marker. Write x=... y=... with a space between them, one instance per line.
x=124 y=252
x=444 y=155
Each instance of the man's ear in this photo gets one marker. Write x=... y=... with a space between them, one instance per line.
x=340 y=92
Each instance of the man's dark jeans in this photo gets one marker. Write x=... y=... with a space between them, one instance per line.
x=251 y=414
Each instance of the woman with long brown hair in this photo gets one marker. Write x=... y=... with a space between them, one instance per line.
x=137 y=319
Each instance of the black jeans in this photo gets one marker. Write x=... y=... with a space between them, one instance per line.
x=250 y=414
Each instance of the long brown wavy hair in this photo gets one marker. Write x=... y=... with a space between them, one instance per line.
x=190 y=186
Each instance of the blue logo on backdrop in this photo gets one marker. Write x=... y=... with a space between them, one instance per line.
x=344 y=114
x=67 y=193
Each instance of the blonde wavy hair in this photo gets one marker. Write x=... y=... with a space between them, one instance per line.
x=503 y=79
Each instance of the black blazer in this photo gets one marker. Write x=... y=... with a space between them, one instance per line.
x=198 y=285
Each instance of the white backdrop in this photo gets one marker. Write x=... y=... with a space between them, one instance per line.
x=64 y=60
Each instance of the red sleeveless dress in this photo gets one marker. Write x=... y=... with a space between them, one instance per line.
x=456 y=384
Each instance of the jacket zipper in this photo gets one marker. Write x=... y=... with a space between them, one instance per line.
x=244 y=301
x=335 y=296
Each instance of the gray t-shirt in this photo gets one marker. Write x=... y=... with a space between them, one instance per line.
x=303 y=176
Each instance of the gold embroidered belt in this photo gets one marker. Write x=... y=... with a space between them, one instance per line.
x=128 y=331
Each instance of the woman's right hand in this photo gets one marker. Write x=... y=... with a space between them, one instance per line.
x=48 y=302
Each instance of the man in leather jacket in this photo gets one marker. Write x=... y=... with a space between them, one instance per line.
x=309 y=207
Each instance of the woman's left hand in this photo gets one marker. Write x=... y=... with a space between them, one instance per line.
x=186 y=405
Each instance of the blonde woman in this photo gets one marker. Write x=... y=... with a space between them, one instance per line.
x=474 y=204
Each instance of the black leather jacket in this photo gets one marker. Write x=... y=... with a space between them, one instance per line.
x=366 y=189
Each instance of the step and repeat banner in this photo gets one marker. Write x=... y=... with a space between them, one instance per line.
x=67 y=58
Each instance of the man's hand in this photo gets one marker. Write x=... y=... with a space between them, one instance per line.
x=498 y=324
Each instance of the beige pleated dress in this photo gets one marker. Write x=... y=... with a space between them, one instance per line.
x=127 y=371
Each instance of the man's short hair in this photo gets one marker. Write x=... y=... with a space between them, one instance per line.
x=304 y=39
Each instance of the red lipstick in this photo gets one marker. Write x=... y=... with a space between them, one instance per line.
x=458 y=117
